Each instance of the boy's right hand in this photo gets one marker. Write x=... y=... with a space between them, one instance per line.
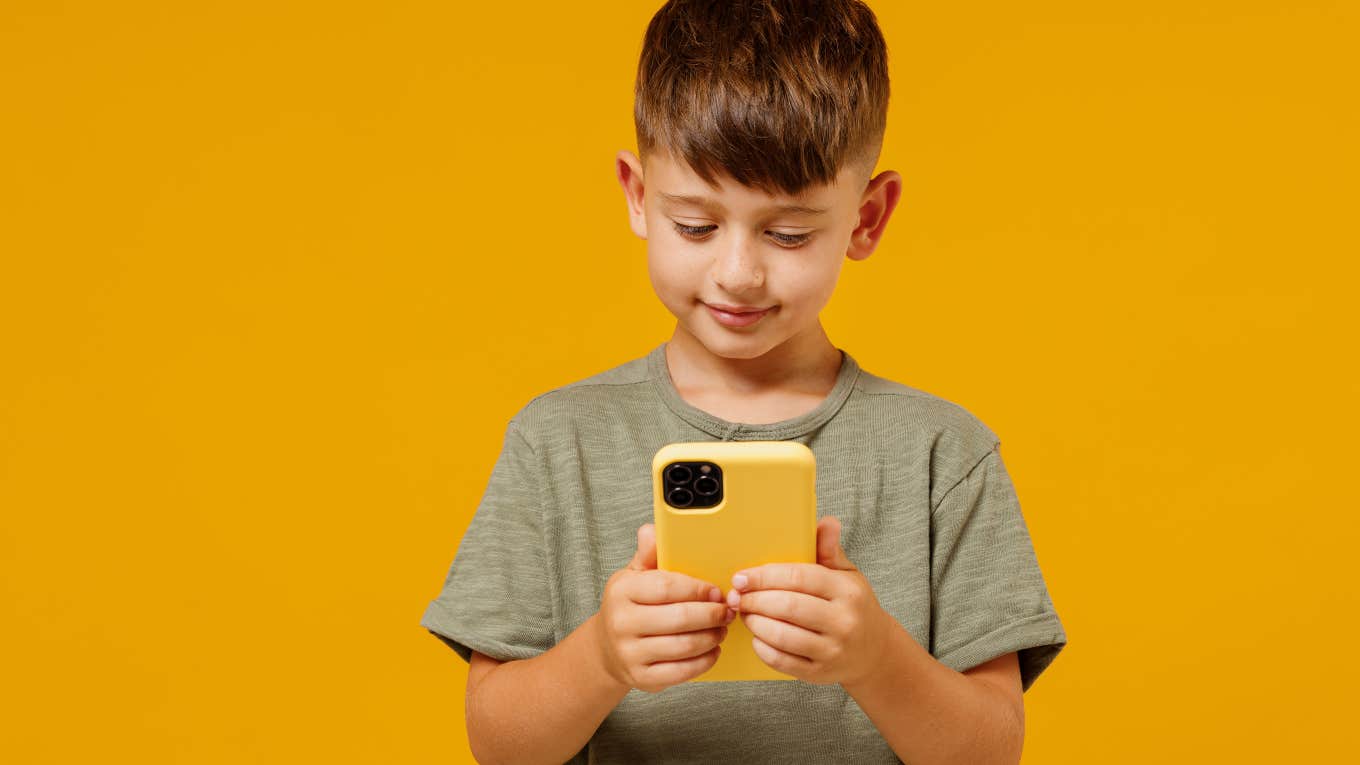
x=659 y=628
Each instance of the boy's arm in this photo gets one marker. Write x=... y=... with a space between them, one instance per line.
x=544 y=709
x=823 y=623
x=929 y=713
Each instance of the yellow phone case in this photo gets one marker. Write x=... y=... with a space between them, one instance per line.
x=767 y=514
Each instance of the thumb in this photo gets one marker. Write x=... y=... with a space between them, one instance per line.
x=645 y=557
x=829 y=550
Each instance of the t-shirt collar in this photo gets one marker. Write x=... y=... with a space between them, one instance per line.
x=727 y=430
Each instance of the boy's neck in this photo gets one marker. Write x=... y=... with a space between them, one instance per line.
x=801 y=369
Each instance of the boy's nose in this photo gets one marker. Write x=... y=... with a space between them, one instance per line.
x=737 y=270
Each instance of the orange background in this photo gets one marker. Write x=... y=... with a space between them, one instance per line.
x=274 y=276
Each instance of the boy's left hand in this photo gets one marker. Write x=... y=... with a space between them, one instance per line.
x=819 y=622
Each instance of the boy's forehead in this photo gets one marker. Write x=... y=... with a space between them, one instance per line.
x=766 y=203
x=675 y=183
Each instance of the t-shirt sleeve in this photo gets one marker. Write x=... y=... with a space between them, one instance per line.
x=496 y=597
x=988 y=596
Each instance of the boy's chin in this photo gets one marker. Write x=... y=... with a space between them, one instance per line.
x=728 y=344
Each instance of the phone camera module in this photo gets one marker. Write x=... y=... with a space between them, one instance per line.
x=692 y=484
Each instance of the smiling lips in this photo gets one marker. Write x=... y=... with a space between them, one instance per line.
x=737 y=316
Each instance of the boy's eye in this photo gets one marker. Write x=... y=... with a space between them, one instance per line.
x=791 y=240
x=693 y=230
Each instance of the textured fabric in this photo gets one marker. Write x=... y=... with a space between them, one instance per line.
x=928 y=514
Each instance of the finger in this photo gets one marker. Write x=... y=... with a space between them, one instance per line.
x=807 y=611
x=668 y=673
x=811 y=578
x=685 y=645
x=788 y=663
x=673 y=618
x=645 y=557
x=658 y=586
x=830 y=553
x=789 y=638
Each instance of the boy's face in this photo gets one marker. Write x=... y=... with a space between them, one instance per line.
x=735 y=247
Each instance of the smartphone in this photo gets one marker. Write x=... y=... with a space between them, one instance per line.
x=722 y=506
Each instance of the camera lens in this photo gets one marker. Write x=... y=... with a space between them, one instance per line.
x=679 y=474
x=681 y=497
x=706 y=486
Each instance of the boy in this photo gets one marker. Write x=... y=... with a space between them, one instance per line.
x=926 y=616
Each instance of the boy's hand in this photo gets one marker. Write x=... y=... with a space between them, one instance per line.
x=659 y=628
x=818 y=622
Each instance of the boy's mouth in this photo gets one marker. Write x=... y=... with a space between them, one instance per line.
x=737 y=316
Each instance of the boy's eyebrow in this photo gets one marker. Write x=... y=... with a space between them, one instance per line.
x=705 y=202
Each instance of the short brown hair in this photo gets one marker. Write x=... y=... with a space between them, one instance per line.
x=777 y=94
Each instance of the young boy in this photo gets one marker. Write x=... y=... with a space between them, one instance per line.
x=913 y=637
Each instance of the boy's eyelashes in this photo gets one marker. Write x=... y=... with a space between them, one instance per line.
x=789 y=241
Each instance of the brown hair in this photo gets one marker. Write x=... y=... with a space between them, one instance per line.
x=777 y=94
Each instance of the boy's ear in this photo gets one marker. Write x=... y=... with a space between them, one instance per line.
x=875 y=207
x=629 y=170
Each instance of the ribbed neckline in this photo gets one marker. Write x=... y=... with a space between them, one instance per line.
x=742 y=431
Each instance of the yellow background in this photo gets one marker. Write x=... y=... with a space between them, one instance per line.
x=274 y=276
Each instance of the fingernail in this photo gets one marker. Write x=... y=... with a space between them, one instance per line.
x=729 y=616
x=739 y=581
x=733 y=598
x=714 y=595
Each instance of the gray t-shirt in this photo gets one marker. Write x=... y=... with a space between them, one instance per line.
x=928 y=514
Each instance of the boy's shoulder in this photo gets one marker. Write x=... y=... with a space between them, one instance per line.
x=588 y=396
x=921 y=405
x=957 y=439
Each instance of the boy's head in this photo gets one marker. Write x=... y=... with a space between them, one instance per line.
x=744 y=107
